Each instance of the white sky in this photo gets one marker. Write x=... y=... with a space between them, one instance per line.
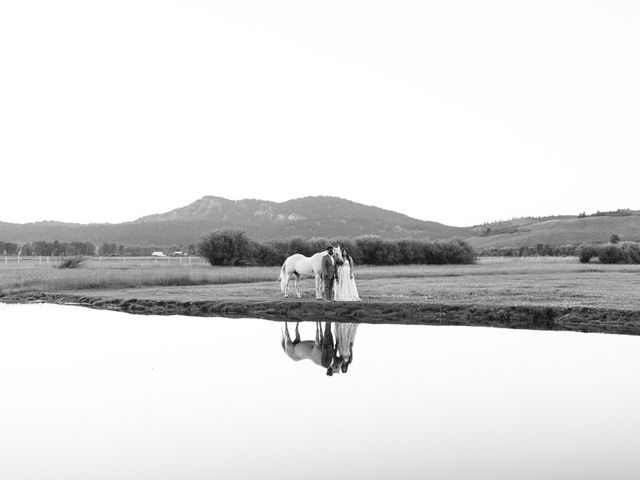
x=455 y=111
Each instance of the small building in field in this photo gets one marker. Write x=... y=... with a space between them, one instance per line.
x=157 y=254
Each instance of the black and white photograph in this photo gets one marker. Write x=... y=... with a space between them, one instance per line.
x=319 y=240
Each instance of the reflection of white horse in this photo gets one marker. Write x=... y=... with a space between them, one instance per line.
x=320 y=351
x=297 y=265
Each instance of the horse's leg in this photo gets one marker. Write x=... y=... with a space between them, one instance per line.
x=286 y=285
x=318 y=283
x=286 y=338
x=285 y=331
x=297 y=281
x=328 y=337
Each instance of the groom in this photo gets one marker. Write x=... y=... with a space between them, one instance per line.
x=329 y=269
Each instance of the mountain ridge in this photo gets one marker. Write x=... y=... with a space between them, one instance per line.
x=308 y=217
x=327 y=217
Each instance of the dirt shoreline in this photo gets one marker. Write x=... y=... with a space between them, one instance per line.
x=577 y=319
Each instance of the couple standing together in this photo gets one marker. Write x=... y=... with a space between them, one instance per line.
x=338 y=281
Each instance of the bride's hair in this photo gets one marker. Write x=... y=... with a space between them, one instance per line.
x=347 y=255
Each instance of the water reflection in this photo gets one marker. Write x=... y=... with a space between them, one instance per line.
x=93 y=394
x=331 y=349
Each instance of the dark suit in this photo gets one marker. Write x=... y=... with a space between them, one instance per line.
x=329 y=269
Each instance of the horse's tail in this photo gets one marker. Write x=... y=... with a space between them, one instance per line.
x=283 y=277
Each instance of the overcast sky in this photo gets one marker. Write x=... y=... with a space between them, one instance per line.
x=455 y=111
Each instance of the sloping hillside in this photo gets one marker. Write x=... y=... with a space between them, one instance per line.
x=306 y=217
x=558 y=231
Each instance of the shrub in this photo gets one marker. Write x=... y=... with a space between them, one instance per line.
x=368 y=246
x=460 y=252
x=612 y=253
x=622 y=252
x=266 y=254
x=587 y=252
x=68 y=262
x=226 y=247
x=631 y=250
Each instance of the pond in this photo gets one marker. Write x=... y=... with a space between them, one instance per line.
x=90 y=394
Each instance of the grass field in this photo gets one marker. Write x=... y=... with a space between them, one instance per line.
x=556 y=281
x=35 y=274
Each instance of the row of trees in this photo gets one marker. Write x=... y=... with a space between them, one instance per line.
x=615 y=251
x=113 y=250
x=621 y=212
x=57 y=248
x=540 y=250
x=233 y=247
x=621 y=252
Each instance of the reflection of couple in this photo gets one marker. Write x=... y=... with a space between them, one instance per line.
x=334 y=355
x=345 y=334
x=337 y=277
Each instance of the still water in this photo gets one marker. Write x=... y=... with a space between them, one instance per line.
x=88 y=394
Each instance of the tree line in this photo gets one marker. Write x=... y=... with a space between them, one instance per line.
x=615 y=251
x=233 y=247
x=618 y=252
x=113 y=250
x=63 y=249
x=48 y=249
x=540 y=250
x=621 y=212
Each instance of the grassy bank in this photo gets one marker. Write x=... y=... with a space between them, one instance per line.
x=540 y=293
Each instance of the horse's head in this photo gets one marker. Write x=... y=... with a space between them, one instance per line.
x=337 y=253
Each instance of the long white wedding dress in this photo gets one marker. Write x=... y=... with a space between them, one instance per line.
x=345 y=289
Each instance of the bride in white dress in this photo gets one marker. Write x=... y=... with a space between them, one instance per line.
x=345 y=289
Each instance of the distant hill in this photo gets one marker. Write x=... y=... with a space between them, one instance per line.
x=560 y=230
x=324 y=217
x=262 y=220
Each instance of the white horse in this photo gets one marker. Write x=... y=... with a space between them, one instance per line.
x=297 y=265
